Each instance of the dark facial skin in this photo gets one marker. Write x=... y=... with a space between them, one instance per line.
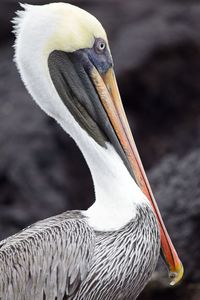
x=70 y=73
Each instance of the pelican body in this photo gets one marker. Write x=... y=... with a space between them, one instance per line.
x=109 y=251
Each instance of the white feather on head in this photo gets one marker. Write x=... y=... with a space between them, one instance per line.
x=73 y=27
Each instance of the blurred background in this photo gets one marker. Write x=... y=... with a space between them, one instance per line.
x=156 y=50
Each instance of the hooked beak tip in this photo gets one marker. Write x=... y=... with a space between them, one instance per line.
x=176 y=276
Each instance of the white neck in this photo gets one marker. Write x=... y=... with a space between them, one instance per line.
x=116 y=193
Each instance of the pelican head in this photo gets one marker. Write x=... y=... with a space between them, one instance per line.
x=64 y=59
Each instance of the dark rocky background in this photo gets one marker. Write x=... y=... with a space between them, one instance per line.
x=156 y=49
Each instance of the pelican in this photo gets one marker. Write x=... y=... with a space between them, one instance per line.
x=110 y=250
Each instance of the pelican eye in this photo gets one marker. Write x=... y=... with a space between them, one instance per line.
x=100 y=46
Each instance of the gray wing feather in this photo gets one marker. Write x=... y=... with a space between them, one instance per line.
x=47 y=260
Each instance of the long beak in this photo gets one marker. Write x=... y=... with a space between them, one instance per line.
x=107 y=89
